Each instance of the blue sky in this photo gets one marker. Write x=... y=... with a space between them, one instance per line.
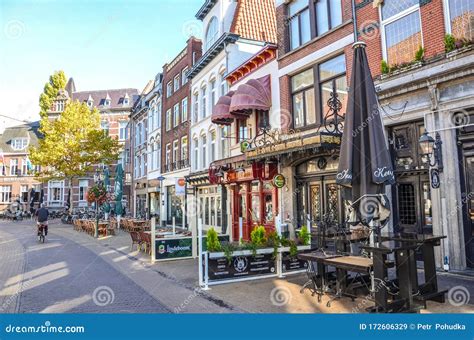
x=101 y=44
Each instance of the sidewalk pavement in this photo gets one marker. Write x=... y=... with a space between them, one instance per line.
x=259 y=296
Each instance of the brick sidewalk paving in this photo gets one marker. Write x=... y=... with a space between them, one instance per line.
x=175 y=284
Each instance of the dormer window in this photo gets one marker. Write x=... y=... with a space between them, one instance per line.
x=90 y=103
x=125 y=101
x=212 y=32
x=107 y=102
x=19 y=143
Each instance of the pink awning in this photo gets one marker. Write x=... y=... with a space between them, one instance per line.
x=220 y=111
x=255 y=94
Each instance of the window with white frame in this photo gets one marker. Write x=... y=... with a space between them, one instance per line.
x=401 y=31
x=169 y=89
x=460 y=17
x=225 y=145
x=56 y=192
x=150 y=119
x=196 y=154
x=5 y=193
x=196 y=108
x=184 y=79
x=136 y=167
x=214 y=94
x=212 y=33
x=157 y=155
x=184 y=110
x=168 y=155
x=204 y=151
x=122 y=158
x=104 y=125
x=24 y=166
x=176 y=83
x=143 y=165
x=3 y=171
x=184 y=148
x=224 y=86
x=143 y=133
x=137 y=135
x=152 y=154
x=123 y=130
x=158 y=115
x=213 y=146
x=168 y=119
x=83 y=186
x=175 y=150
x=19 y=143
x=204 y=102
x=24 y=193
x=14 y=167
x=176 y=115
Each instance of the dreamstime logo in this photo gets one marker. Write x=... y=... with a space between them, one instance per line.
x=460 y=118
x=280 y=296
x=192 y=28
x=14 y=29
x=368 y=207
x=458 y=296
x=193 y=207
x=369 y=30
x=103 y=296
x=281 y=118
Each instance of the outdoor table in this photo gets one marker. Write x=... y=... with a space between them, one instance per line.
x=429 y=289
x=316 y=271
x=403 y=251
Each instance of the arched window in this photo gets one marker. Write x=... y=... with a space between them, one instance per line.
x=157 y=154
x=211 y=33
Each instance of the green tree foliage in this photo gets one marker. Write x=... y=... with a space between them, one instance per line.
x=72 y=144
x=56 y=82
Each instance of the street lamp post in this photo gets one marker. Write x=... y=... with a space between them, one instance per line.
x=99 y=180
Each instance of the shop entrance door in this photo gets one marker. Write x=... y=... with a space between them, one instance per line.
x=324 y=199
x=413 y=206
x=469 y=208
x=240 y=211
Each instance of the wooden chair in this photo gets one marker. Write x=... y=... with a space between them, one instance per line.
x=146 y=241
x=135 y=240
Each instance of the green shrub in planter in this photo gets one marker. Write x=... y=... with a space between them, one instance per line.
x=213 y=243
x=304 y=236
x=449 y=43
x=420 y=54
x=257 y=236
x=273 y=240
x=385 y=68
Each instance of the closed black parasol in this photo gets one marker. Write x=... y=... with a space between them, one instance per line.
x=365 y=166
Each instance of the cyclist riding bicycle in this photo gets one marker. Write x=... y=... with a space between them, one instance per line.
x=42 y=215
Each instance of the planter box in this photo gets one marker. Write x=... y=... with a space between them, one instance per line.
x=291 y=264
x=458 y=51
x=413 y=66
x=221 y=254
x=242 y=265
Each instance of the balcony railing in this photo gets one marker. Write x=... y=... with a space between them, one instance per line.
x=178 y=165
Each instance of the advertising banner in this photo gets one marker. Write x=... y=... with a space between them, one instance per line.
x=241 y=266
x=174 y=248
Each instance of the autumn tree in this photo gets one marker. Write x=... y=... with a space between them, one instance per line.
x=72 y=143
x=57 y=81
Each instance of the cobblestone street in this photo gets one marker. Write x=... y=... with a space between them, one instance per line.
x=74 y=273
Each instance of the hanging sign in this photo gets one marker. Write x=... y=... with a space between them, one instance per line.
x=180 y=187
x=279 y=181
x=435 y=181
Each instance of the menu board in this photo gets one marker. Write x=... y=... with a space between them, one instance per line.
x=241 y=266
x=290 y=263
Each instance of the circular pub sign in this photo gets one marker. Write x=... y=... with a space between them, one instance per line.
x=181 y=182
x=279 y=181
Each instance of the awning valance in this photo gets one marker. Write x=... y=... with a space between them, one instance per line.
x=253 y=95
x=220 y=111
